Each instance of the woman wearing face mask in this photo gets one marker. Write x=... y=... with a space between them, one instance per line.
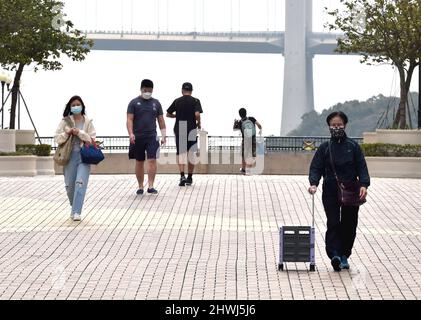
x=350 y=165
x=76 y=173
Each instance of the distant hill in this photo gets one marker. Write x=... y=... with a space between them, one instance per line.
x=364 y=116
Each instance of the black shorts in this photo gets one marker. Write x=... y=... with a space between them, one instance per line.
x=246 y=152
x=148 y=145
x=184 y=145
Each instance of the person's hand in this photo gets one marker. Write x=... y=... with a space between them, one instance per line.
x=312 y=189
x=363 y=193
x=132 y=138
x=163 y=141
x=75 y=131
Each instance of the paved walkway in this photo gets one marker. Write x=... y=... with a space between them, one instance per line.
x=215 y=240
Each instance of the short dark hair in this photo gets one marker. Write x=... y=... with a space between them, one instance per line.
x=242 y=112
x=146 y=83
x=187 y=86
x=339 y=114
x=67 y=111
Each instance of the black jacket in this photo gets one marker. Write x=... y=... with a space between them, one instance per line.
x=349 y=163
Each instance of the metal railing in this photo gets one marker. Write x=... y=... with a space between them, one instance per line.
x=115 y=144
x=275 y=144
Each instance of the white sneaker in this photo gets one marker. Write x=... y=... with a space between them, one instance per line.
x=76 y=217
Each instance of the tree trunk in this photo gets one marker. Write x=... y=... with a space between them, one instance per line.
x=405 y=83
x=15 y=92
x=400 y=118
x=419 y=95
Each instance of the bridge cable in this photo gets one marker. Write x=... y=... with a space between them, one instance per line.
x=131 y=16
x=168 y=16
x=231 y=9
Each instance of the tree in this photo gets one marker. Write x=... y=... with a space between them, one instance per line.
x=383 y=31
x=34 y=32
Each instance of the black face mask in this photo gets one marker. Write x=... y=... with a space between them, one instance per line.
x=337 y=132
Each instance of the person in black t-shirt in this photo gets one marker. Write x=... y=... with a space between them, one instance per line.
x=247 y=126
x=186 y=110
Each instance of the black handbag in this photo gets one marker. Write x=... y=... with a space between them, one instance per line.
x=348 y=192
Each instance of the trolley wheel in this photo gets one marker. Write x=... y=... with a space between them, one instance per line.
x=312 y=267
x=280 y=266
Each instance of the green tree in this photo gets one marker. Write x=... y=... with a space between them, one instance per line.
x=383 y=31
x=35 y=32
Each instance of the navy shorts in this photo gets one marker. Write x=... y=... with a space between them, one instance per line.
x=184 y=145
x=148 y=145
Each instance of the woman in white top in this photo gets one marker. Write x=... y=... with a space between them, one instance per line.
x=76 y=173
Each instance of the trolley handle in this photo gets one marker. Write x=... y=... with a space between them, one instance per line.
x=312 y=210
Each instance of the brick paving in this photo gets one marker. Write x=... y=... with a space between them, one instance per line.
x=215 y=240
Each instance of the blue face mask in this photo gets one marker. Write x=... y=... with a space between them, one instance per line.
x=76 y=109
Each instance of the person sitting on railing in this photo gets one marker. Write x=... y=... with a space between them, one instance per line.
x=187 y=111
x=247 y=126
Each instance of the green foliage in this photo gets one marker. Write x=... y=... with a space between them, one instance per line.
x=5 y=154
x=391 y=150
x=383 y=31
x=26 y=148
x=364 y=116
x=34 y=32
x=43 y=150
x=40 y=150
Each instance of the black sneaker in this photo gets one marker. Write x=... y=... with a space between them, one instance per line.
x=189 y=181
x=336 y=263
x=139 y=191
x=152 y=191
x=182 y=181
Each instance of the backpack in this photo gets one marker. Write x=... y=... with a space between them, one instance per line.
x=248 y=128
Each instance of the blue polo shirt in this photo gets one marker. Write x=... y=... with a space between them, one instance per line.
x=145 y=114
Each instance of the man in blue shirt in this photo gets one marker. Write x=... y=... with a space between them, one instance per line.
x=142 y=114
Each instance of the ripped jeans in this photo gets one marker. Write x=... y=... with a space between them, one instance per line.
x=76 y=176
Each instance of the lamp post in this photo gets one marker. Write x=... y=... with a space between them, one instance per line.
x=4 y=80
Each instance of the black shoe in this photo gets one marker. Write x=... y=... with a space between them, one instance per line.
x=336 y=263
x=152 y=191
x=182 y=181
x=139 y=191
x=189 y=181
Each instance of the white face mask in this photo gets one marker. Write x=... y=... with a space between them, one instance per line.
x=146 y=95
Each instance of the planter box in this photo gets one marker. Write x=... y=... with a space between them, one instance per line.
x=393 y=136
x=25 y=137
x=18 y=166
x=394 y=167
x=7 y=141
x=45 y=166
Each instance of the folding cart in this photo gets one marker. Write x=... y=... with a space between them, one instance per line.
x=296 y=243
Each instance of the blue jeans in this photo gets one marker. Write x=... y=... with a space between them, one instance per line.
x=76 y=177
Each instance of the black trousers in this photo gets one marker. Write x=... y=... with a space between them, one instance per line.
x=342 y=224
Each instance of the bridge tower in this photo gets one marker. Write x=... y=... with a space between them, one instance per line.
x=298 y=97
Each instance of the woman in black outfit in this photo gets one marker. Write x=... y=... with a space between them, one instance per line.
x=350 y=165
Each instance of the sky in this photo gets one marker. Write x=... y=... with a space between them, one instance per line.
x=224 y=82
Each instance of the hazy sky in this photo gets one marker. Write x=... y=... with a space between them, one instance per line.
x=108 y=80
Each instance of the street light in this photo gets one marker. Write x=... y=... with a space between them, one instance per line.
x=4 y=80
